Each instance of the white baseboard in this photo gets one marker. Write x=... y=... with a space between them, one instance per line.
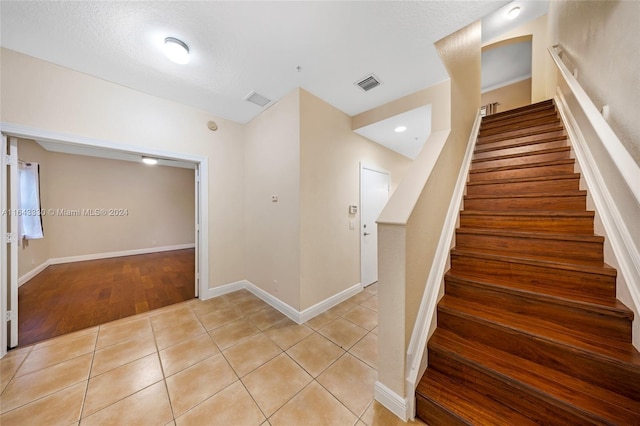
x=329 y=303
x=392 y=401
x=286 y=309
x=70 y=259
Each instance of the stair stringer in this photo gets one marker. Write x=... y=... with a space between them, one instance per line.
x=417 y=359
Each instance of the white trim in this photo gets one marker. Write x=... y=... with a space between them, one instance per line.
x=286 y=309
x=392 y=401
x=329 y=303
x=625 y=163
x=32 y=273
x=95 y=256
x=416 y=361
x=4 y=282
x=617 y=233
x=505 y=83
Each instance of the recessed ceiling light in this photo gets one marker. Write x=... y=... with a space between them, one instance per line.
x=176 y=50
x=149 y=160
x=400 y=129
x=513 y=13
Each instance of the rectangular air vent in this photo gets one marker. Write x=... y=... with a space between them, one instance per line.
x=368 y=83
x=257 y=99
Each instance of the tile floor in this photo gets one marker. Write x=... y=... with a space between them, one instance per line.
x=232 y=360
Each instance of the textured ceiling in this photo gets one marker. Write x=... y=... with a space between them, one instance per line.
x=237 y=47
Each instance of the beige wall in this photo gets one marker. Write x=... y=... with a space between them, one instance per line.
x=599 y=39
x=331 y=154
x=509 y=97
x=272 y=229
x=39 y=94
x=159 y=201
x=540 y=59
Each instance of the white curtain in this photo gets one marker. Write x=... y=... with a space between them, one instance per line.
x=30 y=220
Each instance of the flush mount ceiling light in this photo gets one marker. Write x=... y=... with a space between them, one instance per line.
x=176 y=50
x=513 y=13
x=149 y=160
x=400 y=129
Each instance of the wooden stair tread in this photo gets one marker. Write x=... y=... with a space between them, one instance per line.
x=525 y=154
x=534 y=213
x=537 y=130
x=480 y=149
x=603 y=269
x=468 y=405
x=604 y=306
x=525 y=122
x=533 y=235
x=520 y=110
x=593 y=402
x=530 y=195
x=573 y=340
x=525 y=179
x=536 y=114
x=523 y=166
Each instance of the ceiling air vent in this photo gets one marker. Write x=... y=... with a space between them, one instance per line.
x=368 y=83
x=257 y=99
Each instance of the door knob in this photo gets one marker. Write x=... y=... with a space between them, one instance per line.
x=366 y=233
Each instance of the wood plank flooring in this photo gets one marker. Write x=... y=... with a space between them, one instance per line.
x=73 y=296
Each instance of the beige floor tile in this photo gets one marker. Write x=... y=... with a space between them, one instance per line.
x=118 y=332
x=315 y=353
x=66 y=337
x=149 y=406
x=3 y=386
x=25 y=389
x=172 y=318
x=373 y=288
x=9 y=365
x=60 y=408
x=219 y=317
x=121 y=353
x=287 y=333
x=342 y=308
x=351 y=381
x=251 y=353
x=232 y=333
x=367 y=350
x=361 y=423
x=56 y=353
x=377 y=415
x=195 y=384
x=343 y=333
x=187 y=353
x=204 y=306
x=371 y=303
x=364 y=317
x=375 y=331
x=170 y=336
x=239 y=296
x=231 y=406
x=313 y=406
x=121 y=382
x=360 y=297
x=273 y=384
x=321 y=320
x=266 y=317
x=250 y=306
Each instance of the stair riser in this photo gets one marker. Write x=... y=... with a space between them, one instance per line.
x=517 y=188
x=526 y=159
x=525 y=140
x=612 y=326
x=434 y=414
x=554 y=224
x=592 y=369
x=504 y=115
x=577 y=283
x=515 y=125
x=567 y=203
x=502 y=389
x=544 y=128
x=525 y=172
x=520 y=149
x=548 y=113
x=559 y=249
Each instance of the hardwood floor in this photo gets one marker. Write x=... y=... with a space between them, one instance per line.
x=73 y=296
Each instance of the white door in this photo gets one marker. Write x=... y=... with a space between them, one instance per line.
x=197 y=238
x=374 y=193
x=9 y=252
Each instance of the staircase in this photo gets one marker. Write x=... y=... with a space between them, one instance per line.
x=529 y=329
